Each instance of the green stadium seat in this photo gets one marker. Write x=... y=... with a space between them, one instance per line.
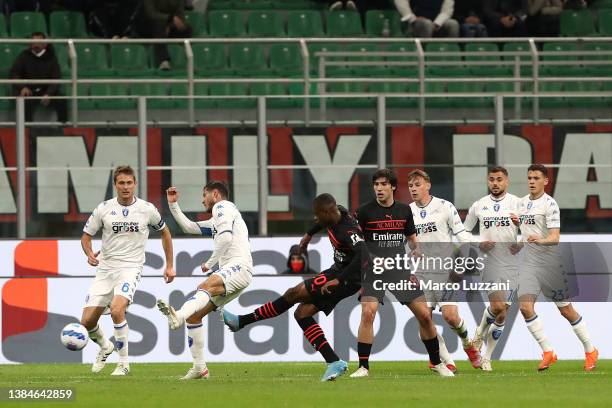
x=154 y=89
x=507 y=87
x=443 y=70
x=178 y=57
x=209 y=59
x=526 y=70
x=467 y=87
x=375 y=23
x=305 y=23
x=485 y=70
x=112 y=90
x=63 y=58
x=248 y=59
x=599 y=70
x=604 y=22
x=24 y=23
x=584 y=102
x=85 y=104
x=180 y=90
x=286 y=59
x=403 y=70
x=577 y=23
x=3 y=30
x=552 y=102
x=265 y=24
x=437 y=88
x=298 y=5
x=226 y=23
x=298 y=89
x=92 y=60
x=231 y=89
x=67 y=24
x=130 y=59
x=602 y=4
x=197 y=22
x=273 y=89
x=396 y=87
x=8 y=53
x=560 y=70
x=252 y=5
x=367 y=70
x=330 y=71
x=348 y=88
x=344 y=24
x=6 y=104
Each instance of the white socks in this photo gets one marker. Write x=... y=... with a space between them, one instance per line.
x=487 y=319
x=97 y=336
x=195 y=338
x=195 y=303
x=582 y=333
x=536 y=328
x=121 y=340
x=462 y=332
x=493 y=335
x=444 y=354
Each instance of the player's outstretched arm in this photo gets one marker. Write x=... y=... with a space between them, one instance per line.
x=186 y=225
x=166 y=238
x=92 y=257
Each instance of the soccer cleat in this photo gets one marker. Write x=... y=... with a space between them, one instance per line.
x=548 y=358
x=103 y=354
x=361 y=372
x=590 y=360
x=474 y=355
x=477 y=342
x=231 y=320
x=450 y=366
x=485 y=364
x=334 y=370
x=121 y=369
x=174 y=321
x=195 y=374
x=442 y=370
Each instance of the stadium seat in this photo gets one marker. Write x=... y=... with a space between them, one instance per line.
x=286 y=59
x=112 y=90
x=24 y=23
x=525 y=70
x=604 y=22
x=8 y=53
x=403 y=70
x=273 y=89
x=226 y=23
x=3 y=30
x=560 y=70
x=209 y=59
x=552 y=102
x=443 y=70
x=437 y=88
x=197 y=22
x=298 y=4
x=305 y=23
x=178 y=59
x=466 y=87
x=67 y=24
x=367 y=70
x=265 y=24
x=248 y=60
x=577 y=23
x=375 y=23
x=485 y=70
x=499 y=87
x=602 y=4
x=599 y=70
x=6 y=104
x=130 y=59
x=85 y=104
x=344 y=24
x=230 y=89
x=154 y=89
x=349 y=88
x=396 y=87
x=92 y=60
x=330 y=71
x=252 y=5
x=63 y=58
x=584 y=102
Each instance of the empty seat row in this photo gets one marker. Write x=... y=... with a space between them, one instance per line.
x=584 y=23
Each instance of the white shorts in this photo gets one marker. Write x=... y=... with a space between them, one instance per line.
x=235 y=279
x=109 y=283
x=550 y=280
x=438 y=298
x=501 y=274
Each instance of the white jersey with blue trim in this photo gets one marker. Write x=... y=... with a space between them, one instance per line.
x=125 y=229
x=538 y=217
x=226 y=219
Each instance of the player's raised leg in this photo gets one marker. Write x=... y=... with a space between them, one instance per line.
x=90 y=318
x=579 y=326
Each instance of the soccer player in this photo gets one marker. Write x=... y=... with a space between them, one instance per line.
x=540 y=225
x=323 y=292
x=125 y=222
x=498 y=235
x=232 y=253
x=386 y=225
x=436 y=221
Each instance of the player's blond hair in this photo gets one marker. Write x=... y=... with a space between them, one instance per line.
x=418 y=173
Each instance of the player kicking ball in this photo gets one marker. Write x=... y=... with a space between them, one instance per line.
x=540 y=224
x=323 y=292
x=232 y=252
x=125 y=222
x=493 y=215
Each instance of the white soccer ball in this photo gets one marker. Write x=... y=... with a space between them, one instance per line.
x=74 y=336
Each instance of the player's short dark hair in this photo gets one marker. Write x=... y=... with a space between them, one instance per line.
x=538 y=167
x=38 y=34
x=385 y=173
x=127 y=170
x=220 y=186
x=323 y=200
x=418 y=173
x=498 y=169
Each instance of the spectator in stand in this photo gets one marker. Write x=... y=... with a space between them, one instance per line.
x=544 y=17
x=297 y=262
x=469 y=15
x=428 y=18
x=505 y=18
x=39 y=62
x=163 y=19
x=113 y=18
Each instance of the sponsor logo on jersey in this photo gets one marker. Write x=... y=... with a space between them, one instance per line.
x=386 y=225
x=496 y=222
x=496 y=207
x=423 y=213
x=388 y=236
x=425 y=228
x=527 y=219
x=125 y=226
x=388 y=216
x=485 y=208
x=125 y=212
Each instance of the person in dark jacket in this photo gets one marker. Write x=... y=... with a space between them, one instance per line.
x=505 y=18
x=469 y=15
x=162 y=19
x=297 y=262
x=39 y=62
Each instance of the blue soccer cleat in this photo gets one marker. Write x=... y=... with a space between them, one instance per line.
x=334 y=370
x=231 y=321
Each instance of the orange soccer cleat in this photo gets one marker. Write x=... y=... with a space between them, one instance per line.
x=590 y=360
x=548 y=358
x=474 y=356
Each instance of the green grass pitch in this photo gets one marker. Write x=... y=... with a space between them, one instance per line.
x=249 y=385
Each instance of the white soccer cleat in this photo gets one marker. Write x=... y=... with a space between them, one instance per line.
x=196 y=374
x=485 y=364
x=361 y=372
x=477 y=342
x=174 y=321
x=442 y=370
x=121 y=369
x=103 y=354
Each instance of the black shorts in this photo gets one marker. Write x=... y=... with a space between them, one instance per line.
x=371 y=289
x=327 y=302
